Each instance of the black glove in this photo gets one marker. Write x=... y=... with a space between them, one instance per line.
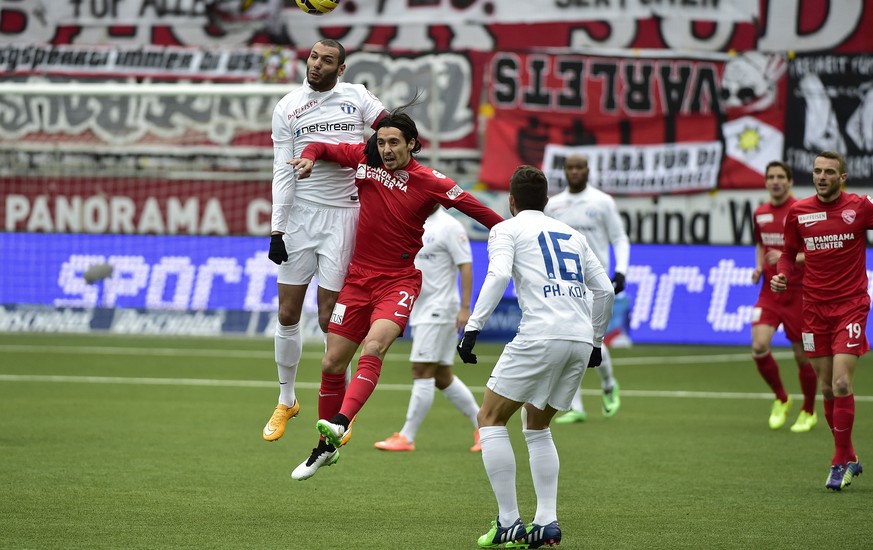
x=595 y=359
x=277 y=253
x=618 y=282
x=374 y=159
x=465 y=346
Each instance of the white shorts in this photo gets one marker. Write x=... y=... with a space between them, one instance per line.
x=540 y=372
x=434 y=343
x=320 y=241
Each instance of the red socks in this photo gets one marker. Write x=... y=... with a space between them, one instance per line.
x=829 y=413
x=362 y=385
x=331 y=394
x=809 y=387
x=843 y=420
x=770 y=372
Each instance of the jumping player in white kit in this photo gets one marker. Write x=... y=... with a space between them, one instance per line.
x=314 y=220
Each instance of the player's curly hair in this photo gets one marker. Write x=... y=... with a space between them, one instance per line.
x=529 y=188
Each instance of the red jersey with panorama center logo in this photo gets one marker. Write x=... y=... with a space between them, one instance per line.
x=395 y=204
x=769 y=232
x=834 y=238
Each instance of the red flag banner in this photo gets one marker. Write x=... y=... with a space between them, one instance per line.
x=733 y=105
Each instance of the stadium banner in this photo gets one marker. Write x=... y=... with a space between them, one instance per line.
x=831 y=109
x=678 y=294
x=242 y=64
x=475 y=11
x=653 y=124
x=641 y=169
x=136 y=206
x=446 y=25
x=194 y=124
x=115 y=205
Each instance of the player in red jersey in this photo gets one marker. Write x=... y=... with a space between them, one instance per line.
x=397 y=196
x=773 y=309
x=831 y=228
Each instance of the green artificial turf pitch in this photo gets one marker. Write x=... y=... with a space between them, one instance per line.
x=141 y=442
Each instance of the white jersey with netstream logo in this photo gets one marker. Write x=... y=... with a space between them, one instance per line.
x=304 y=116
x=446 y=246
x=594 y=214
x=554 y=269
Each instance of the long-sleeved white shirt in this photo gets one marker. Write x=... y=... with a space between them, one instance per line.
x=304 y=116
x=594 y=214
x=446 y=247
x=554 y=269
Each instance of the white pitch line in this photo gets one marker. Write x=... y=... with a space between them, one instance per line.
x=388 y=387
x=245 y=354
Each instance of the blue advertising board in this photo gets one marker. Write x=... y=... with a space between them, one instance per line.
x=678 y=294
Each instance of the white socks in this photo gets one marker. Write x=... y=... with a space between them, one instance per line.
x=499 y=461
x=419 y=405
x=462 y=398
x=544 y=466
x=576 y=403
x=288 y=346
x=607 y=381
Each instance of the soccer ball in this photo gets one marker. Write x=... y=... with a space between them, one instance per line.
x=317 y=7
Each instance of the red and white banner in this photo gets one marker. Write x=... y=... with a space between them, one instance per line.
x=135 y=206
x=449 y=25
x=650 y=125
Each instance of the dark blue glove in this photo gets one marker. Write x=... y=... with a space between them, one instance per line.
x=278 y=253
x=595 y=359
x=465 y=346
x=618 y=282
x=374 y=159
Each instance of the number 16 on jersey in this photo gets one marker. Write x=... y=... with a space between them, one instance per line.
x=569 y=265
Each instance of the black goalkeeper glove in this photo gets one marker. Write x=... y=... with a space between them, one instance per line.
x=618 y=282
x=595 y=359
x=374 y=159
x=465 y=346
x=278 y=253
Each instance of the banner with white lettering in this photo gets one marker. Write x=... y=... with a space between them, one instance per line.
x=471 y=11
x=136 y=206
x=830 y=107
x=265 y=64
x=642 y=169
x=643 y=118
x=208 y=285
x=450 y=25
x=197 y=122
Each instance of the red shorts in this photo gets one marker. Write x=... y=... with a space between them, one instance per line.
x=836 y=327
x=787 y=311
x=368 y=295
